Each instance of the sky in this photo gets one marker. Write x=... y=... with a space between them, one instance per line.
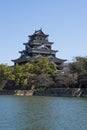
x=64 y=20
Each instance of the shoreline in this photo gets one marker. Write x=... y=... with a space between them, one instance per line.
x=58 y=92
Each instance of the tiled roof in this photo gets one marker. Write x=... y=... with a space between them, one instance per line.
x=38 y=32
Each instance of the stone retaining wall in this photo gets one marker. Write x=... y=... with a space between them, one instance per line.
x=17 y=92
x=60 y=92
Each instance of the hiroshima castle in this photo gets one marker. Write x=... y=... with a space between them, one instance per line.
x=38 y=47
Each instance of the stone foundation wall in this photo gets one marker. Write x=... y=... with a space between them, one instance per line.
x=17 y=92
x=60 y=92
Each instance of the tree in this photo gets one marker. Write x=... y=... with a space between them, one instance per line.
x=5 y=72
x=66 y=80
x=45 y=66
x=79 y=65
x=42 y=81
x=82 y=80
x=21 y=75
x=17 y=74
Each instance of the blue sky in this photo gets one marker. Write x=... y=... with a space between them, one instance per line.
x=64 y=20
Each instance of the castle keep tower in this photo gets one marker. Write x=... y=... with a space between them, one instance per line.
x=38 y=47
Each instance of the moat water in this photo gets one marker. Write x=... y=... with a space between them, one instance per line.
x=42 y=113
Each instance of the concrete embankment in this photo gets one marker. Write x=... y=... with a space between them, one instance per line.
x=60 y=92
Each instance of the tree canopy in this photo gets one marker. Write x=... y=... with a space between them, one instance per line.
x=22 y=74
x=43 y=73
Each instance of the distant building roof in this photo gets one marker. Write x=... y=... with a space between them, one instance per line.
x=39 y=32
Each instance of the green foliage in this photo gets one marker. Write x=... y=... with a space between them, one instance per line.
x=42 y=73
x=41 y=89
x=44 y=66
x=22 y=75
x=5 y=72
x=79 y=66
x=17 y=74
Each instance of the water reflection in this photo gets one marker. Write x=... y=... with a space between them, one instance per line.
x=42 y=113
